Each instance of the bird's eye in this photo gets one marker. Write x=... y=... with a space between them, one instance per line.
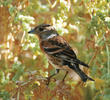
x=41 y=29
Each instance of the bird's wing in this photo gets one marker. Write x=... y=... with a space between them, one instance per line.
x=58 y=47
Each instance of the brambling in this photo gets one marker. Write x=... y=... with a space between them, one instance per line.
x=58 y=52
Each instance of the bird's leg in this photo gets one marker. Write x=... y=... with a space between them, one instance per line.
x=56 y=72
x=65 y=76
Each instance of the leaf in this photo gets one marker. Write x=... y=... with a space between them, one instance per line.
x=106 y=97
x=11 y=10
x=4 y=95
x=86 y=1
x=19 y=72
x=99 y=83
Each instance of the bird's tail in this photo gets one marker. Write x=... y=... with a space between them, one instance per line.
x=82 y=75
x=81 y=63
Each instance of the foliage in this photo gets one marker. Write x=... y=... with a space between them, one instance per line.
x=85 y=24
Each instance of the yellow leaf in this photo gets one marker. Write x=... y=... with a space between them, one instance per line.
x=99 y=83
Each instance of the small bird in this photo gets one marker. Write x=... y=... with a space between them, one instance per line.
x=58 y=52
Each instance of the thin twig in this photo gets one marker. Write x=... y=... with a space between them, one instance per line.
x=93 y=57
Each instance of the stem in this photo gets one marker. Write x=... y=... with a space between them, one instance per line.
x=18 y=94
x=52 y=5
x=108 y=56
x=23 y=37
x=93 y=57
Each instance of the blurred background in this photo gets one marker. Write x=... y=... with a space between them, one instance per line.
x=85 y=24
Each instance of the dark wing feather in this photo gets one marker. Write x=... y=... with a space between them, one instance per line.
x=58 y=47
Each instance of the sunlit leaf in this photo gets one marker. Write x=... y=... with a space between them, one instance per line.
x=99 y=83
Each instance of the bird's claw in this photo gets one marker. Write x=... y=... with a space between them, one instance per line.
x=47 y=81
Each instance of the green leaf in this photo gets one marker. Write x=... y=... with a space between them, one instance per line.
x=19 y=68
x=11 y=10
x=4 y=95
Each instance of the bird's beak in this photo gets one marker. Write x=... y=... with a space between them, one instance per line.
x=31 y=31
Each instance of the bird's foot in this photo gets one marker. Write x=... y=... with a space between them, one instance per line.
x=63 y=81
x=48 y=80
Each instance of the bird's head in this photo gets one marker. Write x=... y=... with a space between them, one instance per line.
x=44 y=31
